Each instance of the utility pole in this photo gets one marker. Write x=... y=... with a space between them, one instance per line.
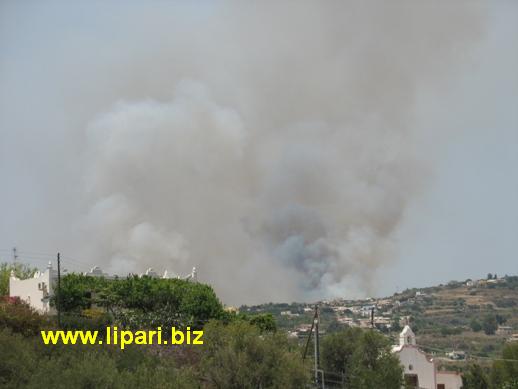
x=372 y=317
x=309 y=338
x=58 y=295
x=317 y=345
x=15 y=255
x=314 y=325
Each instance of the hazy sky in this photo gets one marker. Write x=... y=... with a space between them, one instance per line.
x=289 y=150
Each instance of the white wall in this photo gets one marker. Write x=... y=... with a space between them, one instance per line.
x=34 y=291
x=451 y=380
x=424 y=368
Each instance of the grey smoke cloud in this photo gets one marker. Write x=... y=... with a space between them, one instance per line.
x=271 y=145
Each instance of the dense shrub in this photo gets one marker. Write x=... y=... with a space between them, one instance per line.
x=139 y=302
x=19 y=317
x=489 y=324
x=475 y=325
x=24 y=362
x=361 y=359
x=505 y=303
x=239 y=356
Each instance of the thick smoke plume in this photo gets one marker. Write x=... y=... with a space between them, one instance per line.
x=272 y=145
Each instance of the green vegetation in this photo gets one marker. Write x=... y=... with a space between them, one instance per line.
x=475 y=325
x=361 y=359
x=239 y=351
x=475 y=378
x=489 y=324
x=251 y=349
x=139 y=302
x=503 y=374
x=18 y=317
x=233 y=356
x=239 y=355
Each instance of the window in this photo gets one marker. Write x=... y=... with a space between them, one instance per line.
x=410 y=367
x=411 y=381
x=441 y=386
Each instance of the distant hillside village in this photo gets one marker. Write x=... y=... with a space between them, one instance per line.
x=38 y=289
x=455 y=323
x=393 y=313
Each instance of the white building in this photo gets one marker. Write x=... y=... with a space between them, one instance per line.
x=35 y=291
x=419 y=369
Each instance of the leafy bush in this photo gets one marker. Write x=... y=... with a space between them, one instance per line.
x=489 y=324
x=475 y=378
x=142 y=302
x=475 y=325
x=24 y=362
x=505 y=372
x=17 y=359
x=239 y=356
x=19 y=317
x=74 y=321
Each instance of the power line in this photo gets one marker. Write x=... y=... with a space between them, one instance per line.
x=38 y=255
x=37 y=252
x=79 y=262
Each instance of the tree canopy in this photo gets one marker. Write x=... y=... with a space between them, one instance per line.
x=362 y=358
x=142 y=301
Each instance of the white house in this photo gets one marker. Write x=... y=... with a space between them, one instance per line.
x=35 y=291
x=419 y=369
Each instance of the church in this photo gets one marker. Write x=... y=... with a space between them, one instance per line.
x=420 y=370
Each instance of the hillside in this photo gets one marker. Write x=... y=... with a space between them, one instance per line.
x=475 y=317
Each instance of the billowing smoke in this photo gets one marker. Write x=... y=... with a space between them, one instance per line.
x=272 y=145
